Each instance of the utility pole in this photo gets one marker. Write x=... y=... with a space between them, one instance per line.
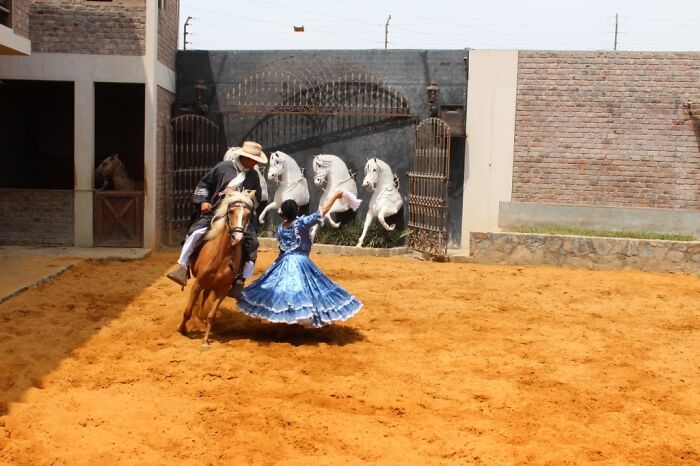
x=184 y=42
x=386 y=32
x=615 y=45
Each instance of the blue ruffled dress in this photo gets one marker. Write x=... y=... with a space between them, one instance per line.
x=294 y=290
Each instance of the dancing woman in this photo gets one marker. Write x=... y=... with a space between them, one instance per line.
x=294 y=290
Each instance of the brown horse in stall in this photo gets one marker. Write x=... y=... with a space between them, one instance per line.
x=112 y=168
x=219 y=259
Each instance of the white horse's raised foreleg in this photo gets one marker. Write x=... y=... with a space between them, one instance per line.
x=368 y=220
x=270 y=206
x=380 y=217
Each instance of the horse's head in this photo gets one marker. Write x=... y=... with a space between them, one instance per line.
x=238 y=208
x=276 y=165
x=108 y=166
x=321 y=168
x=371 y=174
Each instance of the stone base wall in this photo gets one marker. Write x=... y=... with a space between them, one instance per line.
x=585 y=252
x=36 y=217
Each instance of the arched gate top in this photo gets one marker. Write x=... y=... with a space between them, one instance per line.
x=314 y=85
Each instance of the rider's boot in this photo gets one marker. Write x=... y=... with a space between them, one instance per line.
x=236 y=289
x=178 y=275
x=238 y=284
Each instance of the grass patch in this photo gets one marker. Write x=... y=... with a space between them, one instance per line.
x=348 y=234
x=606 y=233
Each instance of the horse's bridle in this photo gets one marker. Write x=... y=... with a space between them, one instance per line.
x=230 y=228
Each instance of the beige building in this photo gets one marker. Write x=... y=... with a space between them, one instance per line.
x=81 y=80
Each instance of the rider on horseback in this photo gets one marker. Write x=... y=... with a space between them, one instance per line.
x=236 y=174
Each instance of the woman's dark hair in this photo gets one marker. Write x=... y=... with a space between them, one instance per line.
x=290 y=209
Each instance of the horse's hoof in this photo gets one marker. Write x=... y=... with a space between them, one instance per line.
x=391 y=227
x=205 y=345
x=182 y=329
x=358 y=245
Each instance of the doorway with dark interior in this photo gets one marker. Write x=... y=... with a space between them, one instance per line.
x=119 y=162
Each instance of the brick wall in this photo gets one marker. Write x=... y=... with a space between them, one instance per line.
x=20 y=17
x=167 y=32
x=164 y=159
x=82 y=26
x=607 y=128
x=36 y=217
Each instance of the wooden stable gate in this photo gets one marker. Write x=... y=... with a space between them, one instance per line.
x=196 y=149
x=118 y=219
x=427 y=188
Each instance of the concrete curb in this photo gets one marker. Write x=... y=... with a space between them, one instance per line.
x=73 y=256
x=37 y=282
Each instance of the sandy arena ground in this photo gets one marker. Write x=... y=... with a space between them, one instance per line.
x=446 y=364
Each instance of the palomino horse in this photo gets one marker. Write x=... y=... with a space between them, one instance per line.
x=386 y=199
x=292 y=184
x=219 y=260
x=332 y=171
x=113 y=169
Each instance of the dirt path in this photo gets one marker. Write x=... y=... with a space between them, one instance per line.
x=447 y=363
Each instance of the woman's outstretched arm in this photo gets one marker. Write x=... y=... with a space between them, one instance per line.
x=329 y=202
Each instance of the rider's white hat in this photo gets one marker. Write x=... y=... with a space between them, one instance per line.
x=252 y=150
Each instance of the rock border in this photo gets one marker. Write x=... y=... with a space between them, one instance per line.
x=591 y=252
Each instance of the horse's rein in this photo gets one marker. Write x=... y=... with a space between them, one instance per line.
x=237 y=229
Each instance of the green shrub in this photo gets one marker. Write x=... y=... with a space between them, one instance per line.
x=348 y=234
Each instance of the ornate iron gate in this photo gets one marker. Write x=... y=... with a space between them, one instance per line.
x=300 y=101
x=196 y=149
x=427 y=188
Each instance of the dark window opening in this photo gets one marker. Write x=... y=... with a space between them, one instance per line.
x=36 y=147
x=119 y=128
x=6 y=13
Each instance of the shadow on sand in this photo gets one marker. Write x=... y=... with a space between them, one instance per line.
x=45 y=325
x=233 y=325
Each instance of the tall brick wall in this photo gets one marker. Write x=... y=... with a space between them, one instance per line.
x=167 y=32
x=82 y=26
x=607 y=128
x=36 y=217
x=164 y=159
x=20 y=17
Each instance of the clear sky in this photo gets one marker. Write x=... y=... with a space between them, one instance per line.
x=442 y=24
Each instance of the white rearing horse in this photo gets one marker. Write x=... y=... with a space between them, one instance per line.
x=332 y=171
x=292 y=185
x=386 y=199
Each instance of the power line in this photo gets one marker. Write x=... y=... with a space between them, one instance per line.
x=333 y=33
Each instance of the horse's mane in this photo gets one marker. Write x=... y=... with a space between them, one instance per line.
x=218 y=223
x=324 y=160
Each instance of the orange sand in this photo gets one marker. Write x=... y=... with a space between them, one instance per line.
x=446 y=364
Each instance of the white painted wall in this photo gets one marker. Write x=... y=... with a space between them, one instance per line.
x=83 y=162
x=488 y=177
x=13 y=44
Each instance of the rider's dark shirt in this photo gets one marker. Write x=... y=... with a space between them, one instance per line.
x=215 y=182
